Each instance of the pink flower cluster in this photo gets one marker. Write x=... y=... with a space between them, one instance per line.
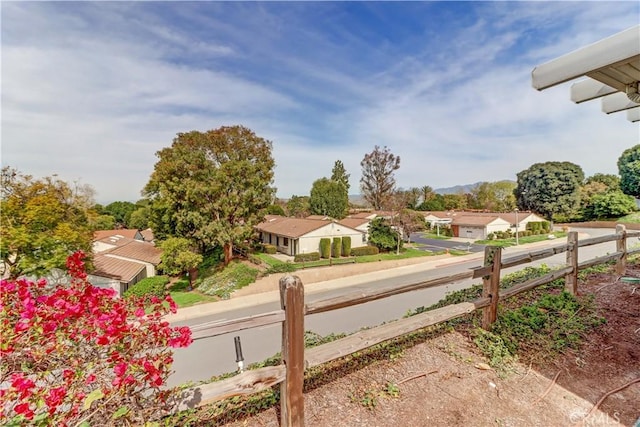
x=68 y=352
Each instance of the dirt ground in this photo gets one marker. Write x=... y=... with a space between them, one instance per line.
x=442 y=382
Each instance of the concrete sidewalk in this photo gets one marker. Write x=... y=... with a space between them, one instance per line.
x=312 y=287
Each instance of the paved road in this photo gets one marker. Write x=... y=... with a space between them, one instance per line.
x=437 y=245
x=212 y=356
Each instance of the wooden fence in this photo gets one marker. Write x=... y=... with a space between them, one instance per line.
x=296 y=359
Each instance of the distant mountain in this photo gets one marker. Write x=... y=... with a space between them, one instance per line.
x=457 y=189
x=466 y=188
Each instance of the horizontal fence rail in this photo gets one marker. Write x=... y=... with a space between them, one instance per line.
x=362 y=297
x=212 y=329
x=290 y=374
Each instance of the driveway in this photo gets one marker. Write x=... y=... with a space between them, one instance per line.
x=437 y=245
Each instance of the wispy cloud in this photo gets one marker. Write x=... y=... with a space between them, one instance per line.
x=91 y=91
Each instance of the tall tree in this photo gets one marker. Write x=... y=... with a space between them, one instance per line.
x=43 y=221
x=629 y=170
x=178 y=256
x=427 y=193
x=612 y=182
x=298 y=206
x=493 y=196
x=550 y=189
x=329 y=198
x=378 y=180
x=211 y=186
x=339 y=174
x=121 y=211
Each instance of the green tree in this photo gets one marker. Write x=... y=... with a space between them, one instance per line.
x=612 y=204
x=454 y=201
x=434 y=203
x=383 y=236
x=493 y=196
x=427 y=193
x=339 y=174
x=378 y=180
x=551 y=189
x=298 y=206
x=612 y=182
x=328 y=198
x=275 y=210
x=178 y=257
x=140 y=219
x=629 y=170
x=212 y=186
x=43 y=221
x=121 y=211
x=102 y=222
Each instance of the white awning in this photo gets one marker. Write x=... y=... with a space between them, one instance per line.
x=612 y=68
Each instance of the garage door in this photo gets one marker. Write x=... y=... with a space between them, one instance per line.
x=472 y=232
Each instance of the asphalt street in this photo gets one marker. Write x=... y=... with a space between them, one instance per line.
x=216 y=355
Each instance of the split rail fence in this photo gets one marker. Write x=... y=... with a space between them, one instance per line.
x=296 y=359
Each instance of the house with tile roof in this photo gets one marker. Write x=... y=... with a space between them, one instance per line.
x=293 y=236
x=123 y=261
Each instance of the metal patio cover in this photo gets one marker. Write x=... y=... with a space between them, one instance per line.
x=612 y=68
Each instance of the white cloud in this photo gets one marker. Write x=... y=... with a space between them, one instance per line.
x=97 y=89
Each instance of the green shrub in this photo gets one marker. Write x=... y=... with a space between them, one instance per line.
x=491 y=236
x=269 y=249
x=284 y=267
x=365 y=250
x=150 y=286
x=325 y=248
x=346 y=246
x=235 y=276
x=311 y=256
x=336 y=247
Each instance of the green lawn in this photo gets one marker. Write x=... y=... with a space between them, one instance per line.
x=505 y=243
x=434 y=236
x=633 y=218
x=185 y=298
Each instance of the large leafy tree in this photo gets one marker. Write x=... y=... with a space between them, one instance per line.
x=612 y=204
x=121 y=211
x=493 y=196
x=43 y=222
x=178 y=256
x=551 y=189
x=611 y=182
x=298 y=206
x=629 y=170
x=378 y=176
x=382 y=235
x=329 y=198
x=211 y=186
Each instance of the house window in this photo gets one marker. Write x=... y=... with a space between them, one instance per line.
x=277 y=240
x=285 y=241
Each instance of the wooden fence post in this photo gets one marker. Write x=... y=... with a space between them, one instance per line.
x=291 y=396
x=491 y=285
x=571 y=280
x=621 y=246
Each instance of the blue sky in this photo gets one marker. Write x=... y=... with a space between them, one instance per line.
x=91 y=91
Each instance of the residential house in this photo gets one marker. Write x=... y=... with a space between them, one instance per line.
x=293 y=236
x=123 y=261
x=477 y=226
